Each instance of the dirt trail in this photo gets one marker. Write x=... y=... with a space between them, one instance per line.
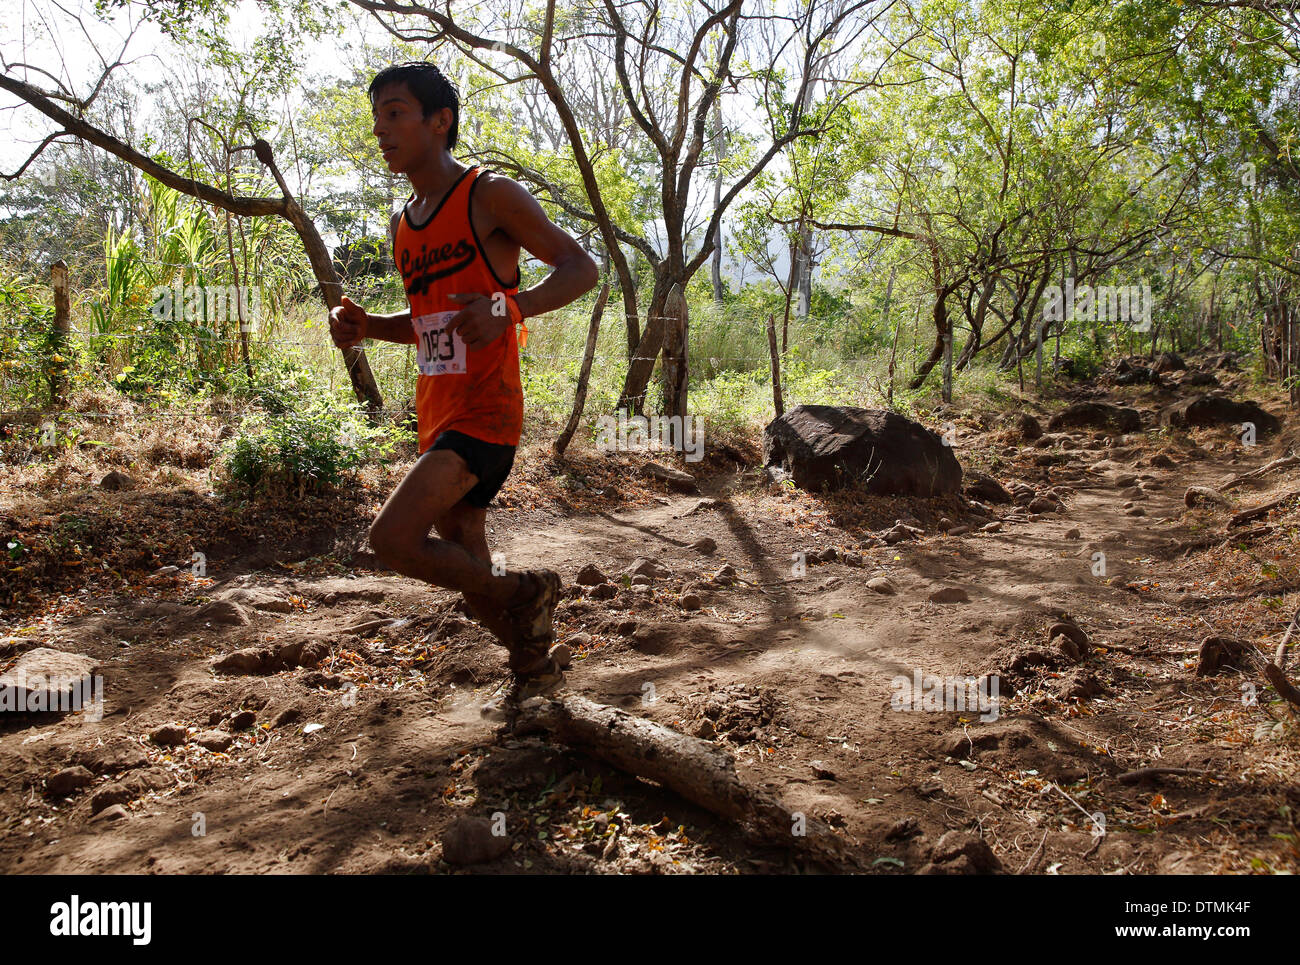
x=793 y=672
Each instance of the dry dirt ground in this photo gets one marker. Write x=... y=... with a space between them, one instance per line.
x=360 y=760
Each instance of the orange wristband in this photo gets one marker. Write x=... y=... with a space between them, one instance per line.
x=517 y=317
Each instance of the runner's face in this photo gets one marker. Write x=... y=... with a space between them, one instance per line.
x=404 y=134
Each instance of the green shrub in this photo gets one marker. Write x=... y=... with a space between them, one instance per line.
x=314 y=449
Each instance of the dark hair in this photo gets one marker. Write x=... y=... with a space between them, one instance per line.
x=430 y=87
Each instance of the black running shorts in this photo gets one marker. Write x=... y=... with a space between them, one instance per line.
x=490 y=462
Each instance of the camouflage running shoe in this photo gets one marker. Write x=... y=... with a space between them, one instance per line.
x=532 y=620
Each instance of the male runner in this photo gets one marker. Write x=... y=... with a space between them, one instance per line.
x=457 y=245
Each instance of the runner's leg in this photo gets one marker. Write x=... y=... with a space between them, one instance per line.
x=399 y=534
x=466 y=526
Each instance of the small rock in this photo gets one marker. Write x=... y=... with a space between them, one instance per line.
x=1069 y=639
x=704 y=545
x=117 y=481
x=828 y=555
x=961 y=853
x=706 y=730
x=119 y=755
x=109 y=795
x=214 y=740
x=1078 y=684
x=168 y=735
x=1219 y=652
x=903 y=829
x=681 y=481
x=590 y=575
x=640 y=580
x=950 y=594
x=259 y=600
x=703 y=504
x=1135 y=511
x=689 y=601
x=68 y=780
x=900 y=532
x=114 y=812
x=1203 y=494
x=647 y=566
x=994 y=527
x=562 y=654
x=881 y=585
x=605 y=591
x=224 y=612
x=821 y=771
x=243 y=720
x=44 y=679
x=725 y=576
x=469 y=840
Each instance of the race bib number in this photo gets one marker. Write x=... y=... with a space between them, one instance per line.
x=438 y=352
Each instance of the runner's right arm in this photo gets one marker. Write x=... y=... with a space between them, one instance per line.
x=350 y=323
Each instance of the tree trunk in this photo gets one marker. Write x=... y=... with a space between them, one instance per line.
x=942 y=328
x=676 y=347
x=584 y=375
x=642 y=363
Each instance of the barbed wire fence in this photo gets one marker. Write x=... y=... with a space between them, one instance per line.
x=196 y=310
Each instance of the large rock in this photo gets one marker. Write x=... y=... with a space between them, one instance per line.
x=1170 y=362
x=1139 y=376
x=832 y=447
x=469 y=840
x=1096 y=415
x=986 y=488
x=44 y=680
x=1217 y=410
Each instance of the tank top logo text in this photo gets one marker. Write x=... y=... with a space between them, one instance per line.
x=462 y=254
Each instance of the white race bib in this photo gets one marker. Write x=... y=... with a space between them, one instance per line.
x=437 y=351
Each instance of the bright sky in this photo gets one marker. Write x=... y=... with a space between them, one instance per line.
x=49 y=38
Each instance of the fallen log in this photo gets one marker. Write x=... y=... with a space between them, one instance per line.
x=698 y=770
x=1277 y=464
x=1246 y=515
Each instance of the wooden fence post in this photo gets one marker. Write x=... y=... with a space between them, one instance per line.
x=777 y=402
x=62 y=325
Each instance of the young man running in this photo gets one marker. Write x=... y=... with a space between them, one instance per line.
x=457 y=244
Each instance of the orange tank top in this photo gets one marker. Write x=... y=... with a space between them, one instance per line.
x=474 y=392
